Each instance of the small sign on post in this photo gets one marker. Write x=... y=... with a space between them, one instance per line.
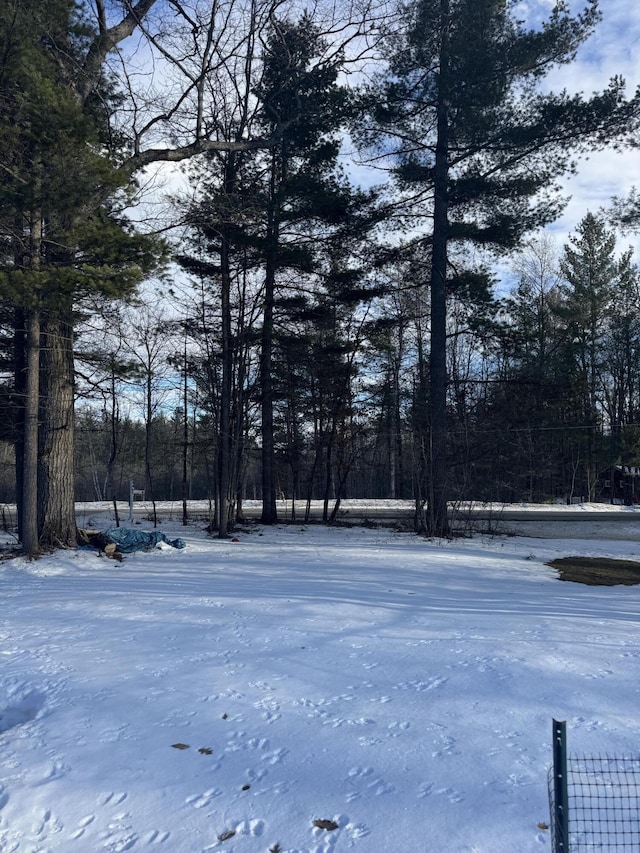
x=133 y=494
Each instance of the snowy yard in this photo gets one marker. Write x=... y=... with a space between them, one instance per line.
x=401 y=689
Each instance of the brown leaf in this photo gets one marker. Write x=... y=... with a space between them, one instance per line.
x=180 y=745
x=225 y=716
x=227 y=835
x=246 y=787
x=329 y=825
x=543 y=825
x=205 y=750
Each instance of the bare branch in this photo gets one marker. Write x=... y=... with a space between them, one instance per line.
x=106 y=41
x=200 y=146
x=189 y=79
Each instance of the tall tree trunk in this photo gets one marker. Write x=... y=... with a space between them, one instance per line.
x=57 y=519
x=438 y=480
x=224 y=443
x=328 y=472
x=20 y=379
x=185 y=441
x=269 y=506
x=28 y=506
x=148 y=441
x=239 y=419
x=114 y=421
x=27 y=340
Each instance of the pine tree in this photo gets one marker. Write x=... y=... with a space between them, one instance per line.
x=590 y=271
x=311 y=209
x=622 y=348
x=463 y=115
x=299 y=94
x=62 y=239
x=222 y=256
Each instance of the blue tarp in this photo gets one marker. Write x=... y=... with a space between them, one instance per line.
x=127 y=540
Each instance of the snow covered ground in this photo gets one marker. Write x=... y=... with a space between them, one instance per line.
x=401 y=689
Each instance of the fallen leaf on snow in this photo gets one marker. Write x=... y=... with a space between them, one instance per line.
x=180 y=745
x=226 y=835
x=329 y=825
x=205 y=750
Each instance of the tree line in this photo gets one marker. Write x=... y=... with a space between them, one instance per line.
x=326 y=338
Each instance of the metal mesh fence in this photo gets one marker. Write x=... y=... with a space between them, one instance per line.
x=602 y=807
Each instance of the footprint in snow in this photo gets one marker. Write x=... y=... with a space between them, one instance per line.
x=267 y=704
x=446 y=745
x=425 y=789
x=57 y=770
x=254 y=828
x=451 y=794
x=275 y=757
x=396 y=728
x=380 y=787
x=256 y=775
x=156 y=836
x=357 y=830
x=125 y=841
x=116 y=734
x=83 y=823
x=271 y=717
x=360 y=772
x=47 y=824
x=602 y=673
x=112 y=798
x=421 y=686
x=361 y=776
x=200 y=801
x=517 y=780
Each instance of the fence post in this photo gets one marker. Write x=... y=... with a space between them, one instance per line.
x=561 y=796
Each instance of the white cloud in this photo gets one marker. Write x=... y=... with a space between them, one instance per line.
x=614 y=49
x=600 y=177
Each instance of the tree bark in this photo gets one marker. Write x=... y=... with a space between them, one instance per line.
x=27 y=339
x=56 y=499
x=269 y=506
x=224 y=442
x=148 y=440
x=438 y=485
x=29 y=456
x=20 y=378
x=185 y=441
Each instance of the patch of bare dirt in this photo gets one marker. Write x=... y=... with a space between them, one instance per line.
x=597 y=571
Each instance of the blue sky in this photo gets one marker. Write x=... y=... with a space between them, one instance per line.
x=613 y=49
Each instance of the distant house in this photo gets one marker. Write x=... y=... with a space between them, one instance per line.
x=620 y=484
